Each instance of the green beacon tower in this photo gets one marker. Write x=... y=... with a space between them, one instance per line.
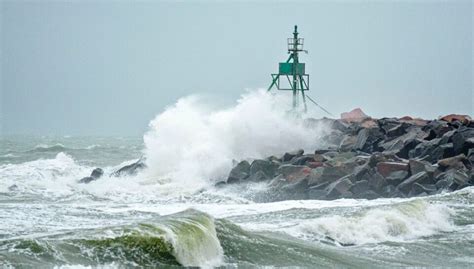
x=297 y=80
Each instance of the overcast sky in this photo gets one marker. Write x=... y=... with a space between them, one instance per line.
x=108 y=67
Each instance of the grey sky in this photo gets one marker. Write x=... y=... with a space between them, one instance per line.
x=109 y=67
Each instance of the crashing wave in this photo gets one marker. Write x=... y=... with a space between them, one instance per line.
x=187 y=238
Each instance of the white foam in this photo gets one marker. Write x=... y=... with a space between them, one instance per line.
x=400 y=222
x=46 y=176
x=190 y=143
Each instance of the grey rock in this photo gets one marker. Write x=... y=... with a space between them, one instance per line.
x=368 y=194
x=96 y=174
x=418 y=189
x=339 y=188
x=317 y=194
x=436 y=128
x=386 y=124
x=431 y=150
x=267 y=167
x=388 y=191
x=422 y=178
x=86 y=180
x=258 y=176
x=316 y=177
x=398 y=130
x=377 y=182
x=290 y=155
x=360 y=187
x=461 y=140
x=367 y=139
x=302 y=160
x=347 y=143
x=417 y=166
x=396 y=177
x=240 y=172
x=443 y=183
x=294 y=190
x=459 y=178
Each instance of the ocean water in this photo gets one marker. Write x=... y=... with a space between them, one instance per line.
x=171 y=215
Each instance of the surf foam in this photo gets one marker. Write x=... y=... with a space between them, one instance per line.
x=401 y=222
x=190 y=143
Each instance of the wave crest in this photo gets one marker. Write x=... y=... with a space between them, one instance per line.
x=405 y=221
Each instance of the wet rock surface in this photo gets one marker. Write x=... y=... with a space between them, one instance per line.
x=367 y=158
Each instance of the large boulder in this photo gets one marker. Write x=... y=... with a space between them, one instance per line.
x=340 y=188
x=386 y=124
x=288 y=156
x=267 y=167
x=417 y=166
x=453 y=162
x=435 y=129
x=359 y=188
x=401 y=145
x=347 y=143
x=418 y=189
x=463 y=140
x=355 y=115
x=453 y=180
x=329 y=173
x=240 y=172
x=421 y=178
x=396 y=177
x=258 y=176
x=294 y=172
x=464 y=119
x=432 y=150
x=377 y=182
x=367 y=140
x=96 y=174
x=303 y=160
x=386 y=168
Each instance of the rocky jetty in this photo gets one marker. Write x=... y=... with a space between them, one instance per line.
x=370 y=158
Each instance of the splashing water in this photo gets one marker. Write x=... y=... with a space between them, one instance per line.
x=190 y=143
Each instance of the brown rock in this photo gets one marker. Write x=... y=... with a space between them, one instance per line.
x=453 y=162
x=414 y=121
x=417 y=166
x=464 y=119
x=315 y=164
x=294 y=172
x=356 y=115
x=385 y=168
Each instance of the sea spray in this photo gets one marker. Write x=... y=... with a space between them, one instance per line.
x=192 y=145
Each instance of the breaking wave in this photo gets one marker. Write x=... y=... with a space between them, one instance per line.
x=187 y=238
x=399 y=222
x=190 y=143
x=46 y=176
